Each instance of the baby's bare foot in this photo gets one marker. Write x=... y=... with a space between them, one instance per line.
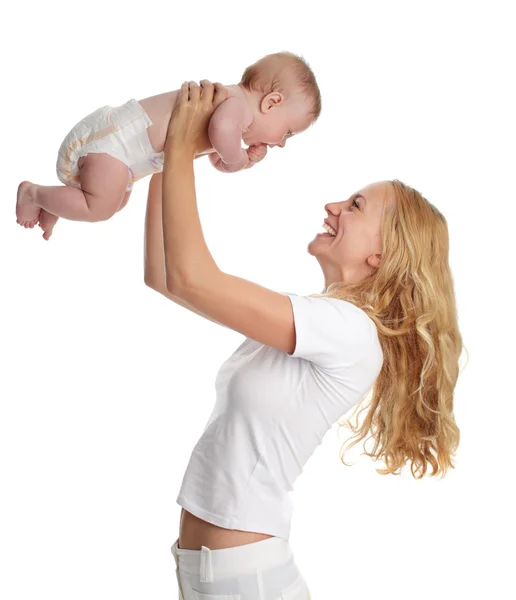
x=46 y=222
x=27 y=213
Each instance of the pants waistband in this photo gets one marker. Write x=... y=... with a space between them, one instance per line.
x=239 y=560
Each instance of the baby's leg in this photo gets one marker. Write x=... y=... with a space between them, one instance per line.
x=103 y=181
x=48 y=220
x=124 y=201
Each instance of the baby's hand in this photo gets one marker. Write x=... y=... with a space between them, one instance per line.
x=256 y=153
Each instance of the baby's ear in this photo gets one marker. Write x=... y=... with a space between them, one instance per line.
x=271 y=100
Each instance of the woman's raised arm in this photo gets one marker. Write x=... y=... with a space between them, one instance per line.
x=154 y=255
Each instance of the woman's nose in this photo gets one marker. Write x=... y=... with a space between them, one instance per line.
x=332 y=207
x=336 y=207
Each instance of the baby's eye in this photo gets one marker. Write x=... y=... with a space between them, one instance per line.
x=355 y=203
x=289 y=133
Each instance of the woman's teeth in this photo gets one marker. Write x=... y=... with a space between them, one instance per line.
x=329 y=229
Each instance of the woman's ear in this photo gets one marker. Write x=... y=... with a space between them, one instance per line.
x=270 y=100
x=374 y=260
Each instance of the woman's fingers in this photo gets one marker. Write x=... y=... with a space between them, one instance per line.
x=183 y=92
x=207 y=92
x=221 y=94
x=195 y=91
x=213 y=94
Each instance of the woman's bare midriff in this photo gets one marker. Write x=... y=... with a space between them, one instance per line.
x=194 y=533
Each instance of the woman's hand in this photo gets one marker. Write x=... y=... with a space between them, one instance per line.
x=188 y=125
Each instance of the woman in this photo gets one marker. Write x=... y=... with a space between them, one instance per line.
x=386 y=322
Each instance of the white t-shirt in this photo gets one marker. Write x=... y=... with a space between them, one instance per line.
x=272 y=411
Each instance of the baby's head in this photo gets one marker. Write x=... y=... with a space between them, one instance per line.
x=284 y=96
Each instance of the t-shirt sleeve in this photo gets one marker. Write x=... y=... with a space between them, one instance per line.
x=330 y=332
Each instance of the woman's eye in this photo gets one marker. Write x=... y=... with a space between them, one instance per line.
x=355 y=203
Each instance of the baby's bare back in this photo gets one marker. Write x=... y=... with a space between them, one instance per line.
x=159 y=108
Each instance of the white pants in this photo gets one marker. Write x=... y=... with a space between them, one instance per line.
x=263 y=570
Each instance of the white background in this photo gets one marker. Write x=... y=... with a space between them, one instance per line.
x=106 y=386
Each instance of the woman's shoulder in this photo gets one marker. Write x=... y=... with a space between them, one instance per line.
x=343 y=307
x=334 y=331
x=339 y=314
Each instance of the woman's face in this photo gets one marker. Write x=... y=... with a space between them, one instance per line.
x=355 y=251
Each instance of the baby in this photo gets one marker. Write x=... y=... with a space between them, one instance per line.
x=110 y=149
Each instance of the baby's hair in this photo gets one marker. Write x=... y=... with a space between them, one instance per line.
x=283 y=72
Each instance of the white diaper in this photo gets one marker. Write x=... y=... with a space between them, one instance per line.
x=121 y=132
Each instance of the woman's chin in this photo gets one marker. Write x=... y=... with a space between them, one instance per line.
x=318 y=244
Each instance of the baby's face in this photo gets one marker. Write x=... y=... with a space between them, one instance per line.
x=278 y=123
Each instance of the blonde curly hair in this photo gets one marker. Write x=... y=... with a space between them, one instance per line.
x=411 y=299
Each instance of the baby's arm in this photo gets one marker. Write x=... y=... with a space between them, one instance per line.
x=225 y=132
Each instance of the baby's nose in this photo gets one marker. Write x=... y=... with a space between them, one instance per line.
x=282 y=144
